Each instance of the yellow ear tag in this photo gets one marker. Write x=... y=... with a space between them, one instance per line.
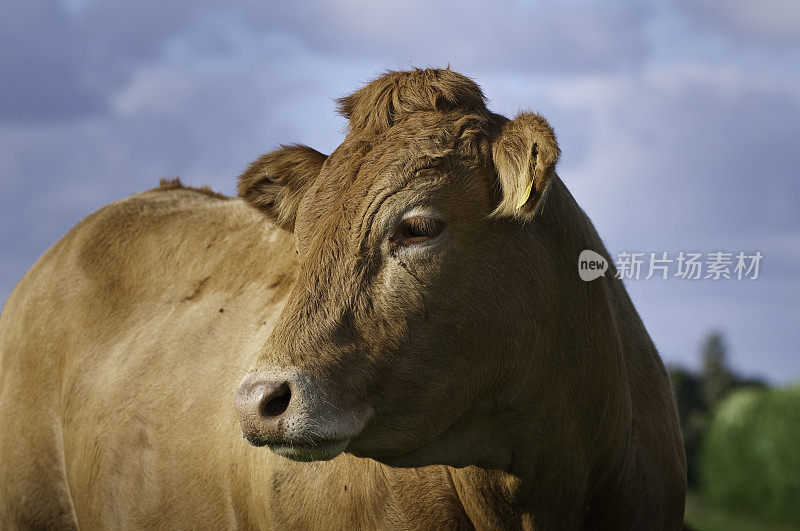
x=525 y=196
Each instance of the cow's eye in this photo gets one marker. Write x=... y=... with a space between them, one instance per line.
x=416 y=230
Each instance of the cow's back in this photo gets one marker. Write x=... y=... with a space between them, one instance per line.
x=120 y=351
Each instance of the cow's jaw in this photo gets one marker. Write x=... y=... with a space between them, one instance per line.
x=310 y=450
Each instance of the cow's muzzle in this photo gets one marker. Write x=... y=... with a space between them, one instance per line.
x=286 y=411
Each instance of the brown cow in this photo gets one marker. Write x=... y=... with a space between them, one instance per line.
x=413 y=321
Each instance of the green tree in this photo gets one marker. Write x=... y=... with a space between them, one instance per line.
x=749 y=458
x=692 y=414
x=717 y=378
x=698 y=394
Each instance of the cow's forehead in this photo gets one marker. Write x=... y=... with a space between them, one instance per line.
x=366 y=165
x=370 y=158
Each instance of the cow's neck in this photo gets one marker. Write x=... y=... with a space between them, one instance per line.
x=563 y=464
x=572 y=432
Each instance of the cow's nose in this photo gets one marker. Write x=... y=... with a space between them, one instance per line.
x=261 y=405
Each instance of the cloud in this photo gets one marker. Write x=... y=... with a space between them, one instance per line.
x=43 y=77
x=533 y=37
x=710 y=153
x=68 y=59
x=771 y=22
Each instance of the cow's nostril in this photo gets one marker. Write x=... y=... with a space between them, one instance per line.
x=276 y=402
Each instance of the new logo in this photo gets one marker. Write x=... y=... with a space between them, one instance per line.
x=591 y=265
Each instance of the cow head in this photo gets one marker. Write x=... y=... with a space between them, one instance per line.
x=426 y=284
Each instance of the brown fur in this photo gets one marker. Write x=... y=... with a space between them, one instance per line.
x=477 y=380
x=395 y=95
x=276 y=182
x=175 y=184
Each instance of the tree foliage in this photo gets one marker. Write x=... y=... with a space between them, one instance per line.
x=718 y=379
x=697 y=394
x=750 y=458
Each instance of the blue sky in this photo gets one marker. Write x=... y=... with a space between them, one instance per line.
x=679 y=122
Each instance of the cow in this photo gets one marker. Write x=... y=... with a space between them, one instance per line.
x=400 y=323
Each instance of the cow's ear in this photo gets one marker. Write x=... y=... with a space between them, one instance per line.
x=275 y=182
x=525 y=153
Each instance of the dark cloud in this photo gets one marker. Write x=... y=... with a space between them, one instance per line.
x=768 y=22
x=575 y=36
x=62 y=64
x=709 y=153
x=43 y=68
x=65 y=63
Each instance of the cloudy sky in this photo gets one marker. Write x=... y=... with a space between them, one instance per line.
x=679 y=122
